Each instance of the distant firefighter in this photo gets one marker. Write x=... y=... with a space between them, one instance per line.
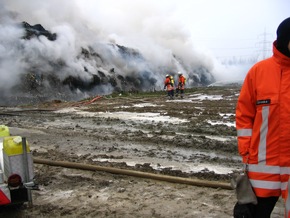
x=169 y=86
x=180 y=85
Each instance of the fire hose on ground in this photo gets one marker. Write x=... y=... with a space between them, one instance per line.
x=173 y=179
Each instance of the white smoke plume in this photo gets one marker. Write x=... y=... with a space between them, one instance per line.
x=162 y=43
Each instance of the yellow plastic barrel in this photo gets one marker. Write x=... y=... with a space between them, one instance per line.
x=12 y=145
x=4 y=131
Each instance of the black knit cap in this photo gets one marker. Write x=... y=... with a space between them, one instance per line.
x=283 y=37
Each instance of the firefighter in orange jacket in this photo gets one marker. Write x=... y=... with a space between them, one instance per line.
x=263 y=124
x=169 y=86
x=180 y=85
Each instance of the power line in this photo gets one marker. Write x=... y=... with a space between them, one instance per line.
x=233 y=48
x=223 y=39
x=265 y=48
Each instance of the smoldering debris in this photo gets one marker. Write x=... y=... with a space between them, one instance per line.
x=36 y=31
x=48 y=67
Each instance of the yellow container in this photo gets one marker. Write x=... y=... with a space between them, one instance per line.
x=12 y=145
x=13 y=158
x=4 y=131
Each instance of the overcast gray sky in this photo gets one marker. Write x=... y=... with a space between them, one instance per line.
x=200 y=32
x=226 y=28
x=235 y=27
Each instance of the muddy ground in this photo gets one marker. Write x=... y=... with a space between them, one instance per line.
x=190 y=138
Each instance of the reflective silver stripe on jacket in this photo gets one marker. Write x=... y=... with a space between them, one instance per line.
x=244 y=132
x=265 y=184
x=269 y=184
x=264 y=169
x=263 y=135
x=269 y=169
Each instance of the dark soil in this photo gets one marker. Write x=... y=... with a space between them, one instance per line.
x=141 y=132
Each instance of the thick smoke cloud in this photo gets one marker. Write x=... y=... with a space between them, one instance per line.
x=101 y=43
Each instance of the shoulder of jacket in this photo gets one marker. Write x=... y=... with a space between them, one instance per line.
x=263 y=64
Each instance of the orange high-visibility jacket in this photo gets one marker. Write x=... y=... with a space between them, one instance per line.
x=181 y=82
x=263 y=124
x=168 y=84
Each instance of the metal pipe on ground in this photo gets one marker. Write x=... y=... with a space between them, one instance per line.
x=26 y=169
x=173 y=179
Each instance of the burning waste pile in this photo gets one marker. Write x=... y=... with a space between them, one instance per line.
x=37 y=64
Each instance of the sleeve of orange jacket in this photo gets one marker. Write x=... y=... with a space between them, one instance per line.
x=245 y=114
